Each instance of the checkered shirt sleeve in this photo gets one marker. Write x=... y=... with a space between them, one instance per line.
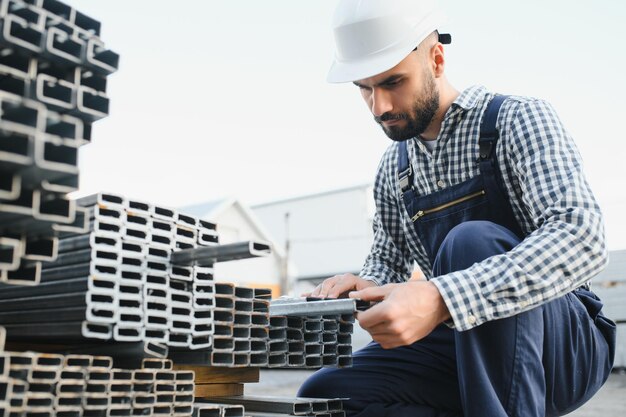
x=389 y=259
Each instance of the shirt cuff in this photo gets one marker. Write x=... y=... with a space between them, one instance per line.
x=462 y=295
x=375 y=280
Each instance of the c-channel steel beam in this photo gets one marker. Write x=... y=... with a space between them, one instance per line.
x=65 y=129
x=10 y=253
x=206 y=410
x=56 y=93
x=81 y=284
x=41 y=249
x=88 y=240
x=94 y=268
x=10 y=186
x=53 y=315
x=63 y=48
x=35 y=211
x=106 y=200
x=15 y=63
x=104 y=256
x=124 y=355
x=208 y=255
x=292 y=406
x=66 y=331
x=22 y=34
x=101 y=59
x=27 y=274
x=79 y=225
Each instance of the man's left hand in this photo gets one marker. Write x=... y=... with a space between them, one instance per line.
x=408 y=312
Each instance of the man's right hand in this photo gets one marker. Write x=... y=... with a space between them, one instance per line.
x=339 y=286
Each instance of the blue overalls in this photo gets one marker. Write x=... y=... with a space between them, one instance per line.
x=544 y=362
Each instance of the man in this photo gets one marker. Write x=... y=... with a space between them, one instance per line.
x=486 y=194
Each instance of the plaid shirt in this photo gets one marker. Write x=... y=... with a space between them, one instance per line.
x=551 y=200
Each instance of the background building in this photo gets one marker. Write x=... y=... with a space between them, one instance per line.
x=236 y=223
x=324 y=234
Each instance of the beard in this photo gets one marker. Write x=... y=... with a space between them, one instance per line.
x=424 y=109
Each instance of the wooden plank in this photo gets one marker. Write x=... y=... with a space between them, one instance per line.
x=221 y=375
x=218 y=390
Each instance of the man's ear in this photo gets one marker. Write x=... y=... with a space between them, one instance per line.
x=437 y=59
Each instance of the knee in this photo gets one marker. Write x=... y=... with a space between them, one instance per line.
x=477 y=232
x=471 y=242
x=321 y=384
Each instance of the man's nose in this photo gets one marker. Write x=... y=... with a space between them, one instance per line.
x=381 y=102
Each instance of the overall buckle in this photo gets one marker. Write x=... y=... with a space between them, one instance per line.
x=485 y=146
x=404 y=179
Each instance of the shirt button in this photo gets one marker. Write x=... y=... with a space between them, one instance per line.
x=441 y=183
x=471 y=319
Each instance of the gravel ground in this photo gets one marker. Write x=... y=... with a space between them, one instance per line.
x=610 y=401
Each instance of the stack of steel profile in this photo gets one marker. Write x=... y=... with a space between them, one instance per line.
x=278 y=345
x=168 y=392
x=144 y=273
x=84 y=385
x=116 y=282
x=311 y=341
x=53 y=77
x=299 y=338
x=241 y=321
x=295 y=342
x=344 y=340
x=239 y=315
x=277 y=406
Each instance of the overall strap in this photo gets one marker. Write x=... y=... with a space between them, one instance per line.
x=494 y=184
x=488 y=133
x=405 y=175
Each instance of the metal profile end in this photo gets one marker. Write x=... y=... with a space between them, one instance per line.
x=41 y=249
x=96 y=331
x=80 y=224
x=28 y=274
x=10 y=252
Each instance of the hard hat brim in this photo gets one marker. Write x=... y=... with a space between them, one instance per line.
x=344 y=72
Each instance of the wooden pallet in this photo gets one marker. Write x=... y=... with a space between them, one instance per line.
x=218 y=382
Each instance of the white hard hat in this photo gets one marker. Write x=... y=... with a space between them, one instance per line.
x=372 y=36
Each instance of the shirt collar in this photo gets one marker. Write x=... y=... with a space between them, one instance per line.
x=469 y=98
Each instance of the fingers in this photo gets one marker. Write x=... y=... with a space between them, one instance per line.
x=385 y=327
x=373 y=317
x=373 y=293
x=335 y=287
x=321 y=290
x=362 y=284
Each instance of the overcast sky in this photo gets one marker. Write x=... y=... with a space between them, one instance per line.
x=228 y=98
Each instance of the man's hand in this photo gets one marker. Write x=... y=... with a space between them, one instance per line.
x=408 y=312
x=339 y=286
